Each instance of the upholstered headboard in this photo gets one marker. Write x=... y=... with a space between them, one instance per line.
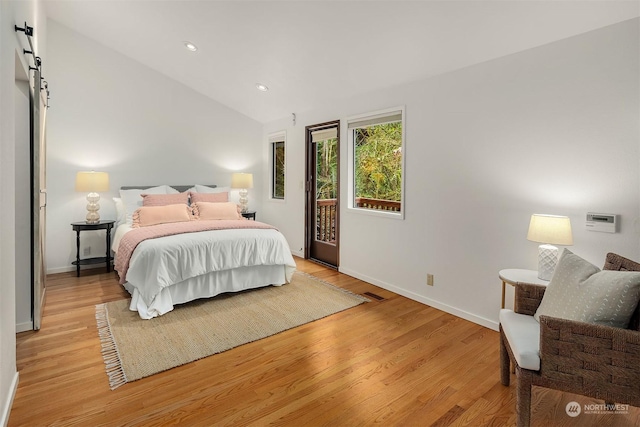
x=180 y=188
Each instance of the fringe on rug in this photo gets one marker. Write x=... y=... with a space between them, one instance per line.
x=110 y=352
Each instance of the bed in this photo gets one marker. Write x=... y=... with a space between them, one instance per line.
x=165 y=264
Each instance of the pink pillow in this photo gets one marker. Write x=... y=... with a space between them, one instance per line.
x=209 y=197
x=165 y=199
x=206 y=210
x=153 y=215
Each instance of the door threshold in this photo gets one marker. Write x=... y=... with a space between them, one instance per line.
x=325 y=264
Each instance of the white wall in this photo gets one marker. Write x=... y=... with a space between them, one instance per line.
x=11 y=43
x=111 y=113
x=548 y=130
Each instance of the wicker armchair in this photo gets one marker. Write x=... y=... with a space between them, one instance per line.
x=598 y=361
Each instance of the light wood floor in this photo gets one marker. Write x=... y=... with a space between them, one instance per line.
x=393 y=362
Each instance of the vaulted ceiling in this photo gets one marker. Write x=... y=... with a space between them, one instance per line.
x=313 y=53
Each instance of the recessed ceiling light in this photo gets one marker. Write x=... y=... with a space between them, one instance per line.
x=192 y=47
x=261 y=87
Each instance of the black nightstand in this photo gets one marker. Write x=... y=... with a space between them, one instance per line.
x=83 y=226
x=250 y=215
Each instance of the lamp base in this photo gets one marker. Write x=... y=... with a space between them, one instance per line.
x=244 y=200
x=93 y=217
x=547 y=260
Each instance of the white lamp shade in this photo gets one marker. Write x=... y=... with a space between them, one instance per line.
x=92 y=182
x=242 y=180
x=551 y=229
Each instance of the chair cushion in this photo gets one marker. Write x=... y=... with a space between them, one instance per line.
x=523 y=334
x=579 y=291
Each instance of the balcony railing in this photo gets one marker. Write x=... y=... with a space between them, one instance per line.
x=326 y=220
x=327 y=211
x=377 y=204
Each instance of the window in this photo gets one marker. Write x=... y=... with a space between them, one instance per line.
x=277 y=155
x=376 y=143
x=326 y=141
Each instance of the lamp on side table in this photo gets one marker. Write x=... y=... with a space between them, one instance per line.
x=242 y=181
x=549 y=230
x=92 y=182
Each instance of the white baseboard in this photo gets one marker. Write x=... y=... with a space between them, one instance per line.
x=298 y=254
x=24 y=326
x=6 y=410
x=61 y=269
x=479 y=320
x=66 y=269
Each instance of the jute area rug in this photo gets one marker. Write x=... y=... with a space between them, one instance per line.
x=133 y=348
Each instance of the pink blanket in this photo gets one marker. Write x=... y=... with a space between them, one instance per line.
x=134 y=237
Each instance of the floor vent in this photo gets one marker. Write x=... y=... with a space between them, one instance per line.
x=374 y=296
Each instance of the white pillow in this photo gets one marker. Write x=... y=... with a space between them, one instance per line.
x=204 y=189
x=132 y=199
x=120 y=212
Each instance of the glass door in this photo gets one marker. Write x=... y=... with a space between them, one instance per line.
x=323 y=143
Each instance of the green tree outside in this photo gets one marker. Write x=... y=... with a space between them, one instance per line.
x=378 y=162
x=278 y=173
x=326 y=169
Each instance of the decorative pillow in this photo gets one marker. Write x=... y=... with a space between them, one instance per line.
x=209 y=197
x=205 y=210
x=153 y=215
x=579 y=291
x=205 y=189
x=132 y=199
x=165 y=199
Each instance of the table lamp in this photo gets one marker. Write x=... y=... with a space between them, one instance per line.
x=242 y=181
x=92 y=182
x=549 y=230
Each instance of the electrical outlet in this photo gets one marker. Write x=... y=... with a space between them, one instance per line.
x=430 y=279
x=87 y=251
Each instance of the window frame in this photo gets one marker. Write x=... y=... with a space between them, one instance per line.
x=380 y=114
x=273 y=139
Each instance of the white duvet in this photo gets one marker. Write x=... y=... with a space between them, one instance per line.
x=158 y=264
